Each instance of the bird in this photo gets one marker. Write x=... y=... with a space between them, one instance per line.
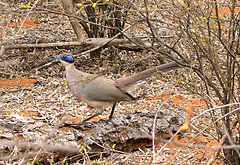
x=101 y=92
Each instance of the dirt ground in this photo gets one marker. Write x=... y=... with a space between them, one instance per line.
x=35 y=100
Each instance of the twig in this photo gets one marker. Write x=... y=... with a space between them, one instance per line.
x=208 y=110
x=107 y=42
x=201 y=146
x=154 y=127
x=34 y=5
x=44 y=66
x=210 y=162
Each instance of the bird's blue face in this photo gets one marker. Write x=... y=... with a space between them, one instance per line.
x=66 y=58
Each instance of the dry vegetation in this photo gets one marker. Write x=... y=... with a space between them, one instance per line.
x=35 y=100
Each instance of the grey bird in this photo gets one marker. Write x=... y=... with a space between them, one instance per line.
x=101 y=92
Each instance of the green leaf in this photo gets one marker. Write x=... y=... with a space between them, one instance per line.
x=80 y=4
x=20 y=31
x=88 y=147
x=203 y=18
x=22 y=5
x=26 y=6
x=94 y=5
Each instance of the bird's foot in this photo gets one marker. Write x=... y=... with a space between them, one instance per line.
x=83 y=125
x=108 y=121
x=105 y=120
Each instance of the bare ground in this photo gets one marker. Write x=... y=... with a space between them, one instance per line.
x=33 y=114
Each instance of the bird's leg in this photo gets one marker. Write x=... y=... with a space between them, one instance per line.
x=113 y=108
x=84 y=124
x=99 y=113
x=111 y=115
x=89 y=118
x=109 y=118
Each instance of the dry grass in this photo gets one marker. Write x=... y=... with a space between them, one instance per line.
x=32 y=114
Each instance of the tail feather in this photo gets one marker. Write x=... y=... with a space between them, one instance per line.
x=132 y=79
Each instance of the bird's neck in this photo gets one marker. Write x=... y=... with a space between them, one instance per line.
x=75 y=76
x=71 y=72
x=70 y=67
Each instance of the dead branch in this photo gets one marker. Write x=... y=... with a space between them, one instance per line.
x=44 y=147
x=119 y=43
x=68 y=8
x=210 y=162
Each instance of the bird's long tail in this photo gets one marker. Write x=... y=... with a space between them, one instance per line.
x=127 y=82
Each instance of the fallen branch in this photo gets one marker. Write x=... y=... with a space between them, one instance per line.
x=119 y=43
x=35 y=147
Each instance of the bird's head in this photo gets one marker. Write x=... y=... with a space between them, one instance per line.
x=65 y=59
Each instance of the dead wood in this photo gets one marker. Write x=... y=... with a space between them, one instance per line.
x=119 y=43
x=127 y=132
x=69 y=9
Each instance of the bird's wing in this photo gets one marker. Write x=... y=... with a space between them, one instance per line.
x=104 y=89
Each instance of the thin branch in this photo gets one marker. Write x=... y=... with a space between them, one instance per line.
x=218 y=21
x=107 y=41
